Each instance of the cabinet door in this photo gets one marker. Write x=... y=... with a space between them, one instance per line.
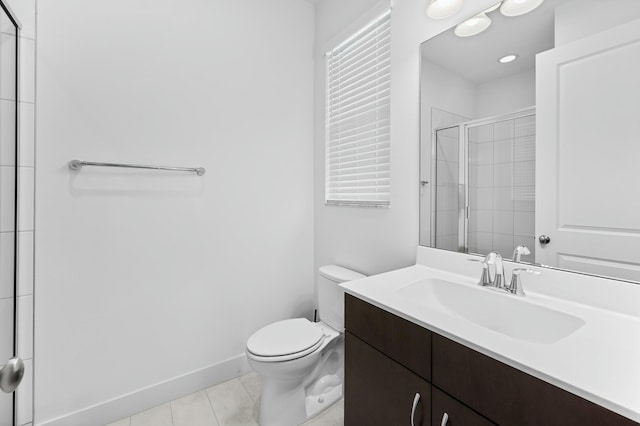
x=446 y=411
x=379 y=391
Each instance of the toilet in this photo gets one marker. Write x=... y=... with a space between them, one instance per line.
x=301 y=363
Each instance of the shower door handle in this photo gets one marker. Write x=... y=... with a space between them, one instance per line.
x=11 y=374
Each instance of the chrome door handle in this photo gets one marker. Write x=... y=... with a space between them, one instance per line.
x=445 y=419
x=416 y=399
x=11 y=374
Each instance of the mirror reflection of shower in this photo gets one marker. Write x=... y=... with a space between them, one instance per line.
x=483 y=196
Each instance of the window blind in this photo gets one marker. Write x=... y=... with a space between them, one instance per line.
x=358 y=117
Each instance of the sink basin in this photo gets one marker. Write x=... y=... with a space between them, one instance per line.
x=504 y=313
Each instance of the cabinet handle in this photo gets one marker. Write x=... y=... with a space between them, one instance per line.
x=445 y=419
x=416 y=399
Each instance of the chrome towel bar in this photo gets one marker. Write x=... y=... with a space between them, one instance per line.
x=78 y=164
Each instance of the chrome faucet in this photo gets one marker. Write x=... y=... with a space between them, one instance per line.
x=519 y=251
x=498 y=281
x=515 y=287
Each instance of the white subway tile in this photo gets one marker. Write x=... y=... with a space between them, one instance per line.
x=6 y=328
x=502 y=175
x=503 y=244
x=502 y=151
x=503 y=222
x=524 y=223
x=502 y=199
x=503 y=130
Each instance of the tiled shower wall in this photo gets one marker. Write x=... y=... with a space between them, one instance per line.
x=26 y=13
x=502 y=186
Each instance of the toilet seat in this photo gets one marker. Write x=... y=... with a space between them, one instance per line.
x=285 y=340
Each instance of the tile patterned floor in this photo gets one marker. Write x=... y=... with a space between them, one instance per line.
x=232 y=403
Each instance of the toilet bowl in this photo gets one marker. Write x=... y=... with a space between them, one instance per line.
x=301 y=363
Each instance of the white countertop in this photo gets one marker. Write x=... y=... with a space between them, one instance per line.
x=599 y=362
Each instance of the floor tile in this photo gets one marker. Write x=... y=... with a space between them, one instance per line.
x=157 y=416
x=253 y=384
x=193 y=410
x=232 y=404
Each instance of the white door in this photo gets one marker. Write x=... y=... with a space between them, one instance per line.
x=588 y=154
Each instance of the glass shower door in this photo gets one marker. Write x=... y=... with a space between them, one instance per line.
x=11 y=367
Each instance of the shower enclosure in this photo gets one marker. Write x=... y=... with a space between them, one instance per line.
x=11 y=367
x=483 y=198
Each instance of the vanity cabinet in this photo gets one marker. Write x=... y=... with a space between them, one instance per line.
x=389 y=359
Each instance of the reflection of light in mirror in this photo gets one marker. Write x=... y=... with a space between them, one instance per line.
x=440 y=9
x=508 y=58
x=518 y=7
x=473 y=26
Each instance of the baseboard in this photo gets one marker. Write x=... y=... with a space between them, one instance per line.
x=151 y=396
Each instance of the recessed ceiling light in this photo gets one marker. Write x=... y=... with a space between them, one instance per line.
x=494 y=7
x=508 y=58
x=473 y=26
x=440 y=9
x=518 y=7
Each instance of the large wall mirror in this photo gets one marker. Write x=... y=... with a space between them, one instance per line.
x=530 y=136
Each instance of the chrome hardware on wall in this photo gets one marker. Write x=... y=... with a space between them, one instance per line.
x=544 y=239
x=11 y=374
x=416 y=399
x=78 y=164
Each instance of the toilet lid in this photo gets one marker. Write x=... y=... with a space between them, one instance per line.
x=284 y=338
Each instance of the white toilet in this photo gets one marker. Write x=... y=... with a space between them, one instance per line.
x=302 y=362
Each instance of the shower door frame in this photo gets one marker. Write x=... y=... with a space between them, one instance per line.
x=463 y=171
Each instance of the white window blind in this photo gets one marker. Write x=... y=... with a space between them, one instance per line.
x=358 y=117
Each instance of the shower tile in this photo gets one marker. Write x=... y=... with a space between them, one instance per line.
x=503 y=221
x=27 y=139
x=524 y=205
x=502 y=175
x=7 y=133
x=524 y=223
x=525 y=126
x=502 y=199
x=481 y=133
x=25 y=208
x=25 y=327
x=524 y=148
x=27 y=70
x=503 y=243
x=232 y=404
x=25 y=263
x=502 y=151
x=6 y=328
x=481 y=220
x=481 y=198
x=485 y=176
x=193 y=410
x=24 y=395
x=157 y=416
x=484 y=153
x=485 y=242
x=503 y=130
x=6 y=264
x=7 y=59
x=7 y=200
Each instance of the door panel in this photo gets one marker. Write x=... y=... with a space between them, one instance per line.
x=588 y=198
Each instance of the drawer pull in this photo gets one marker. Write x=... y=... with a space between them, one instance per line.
x=445 y=419
x=416 y=399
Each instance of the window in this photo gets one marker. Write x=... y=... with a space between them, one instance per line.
x=357 y=117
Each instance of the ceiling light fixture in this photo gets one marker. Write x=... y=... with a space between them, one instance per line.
x=473 y=26
x=440 y=9
x=494 y=7
x=508 y=58
x=518 y=7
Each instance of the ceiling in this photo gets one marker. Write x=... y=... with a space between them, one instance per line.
x=476 y=58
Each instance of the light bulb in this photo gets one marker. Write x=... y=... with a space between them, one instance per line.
x=440 y=9
x=473 y=26
x=508 y=58
x=518 y=7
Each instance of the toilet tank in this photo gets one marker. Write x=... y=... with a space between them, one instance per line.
x=331 y=295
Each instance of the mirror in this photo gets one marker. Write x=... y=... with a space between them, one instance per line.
x=541 y=151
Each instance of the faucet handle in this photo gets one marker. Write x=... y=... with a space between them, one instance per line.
x=515 y=287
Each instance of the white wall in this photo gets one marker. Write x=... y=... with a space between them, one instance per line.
x=507 y=94
x=375 y=240
x=144 y=277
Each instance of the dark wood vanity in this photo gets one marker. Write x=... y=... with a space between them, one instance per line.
x=390 y=360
